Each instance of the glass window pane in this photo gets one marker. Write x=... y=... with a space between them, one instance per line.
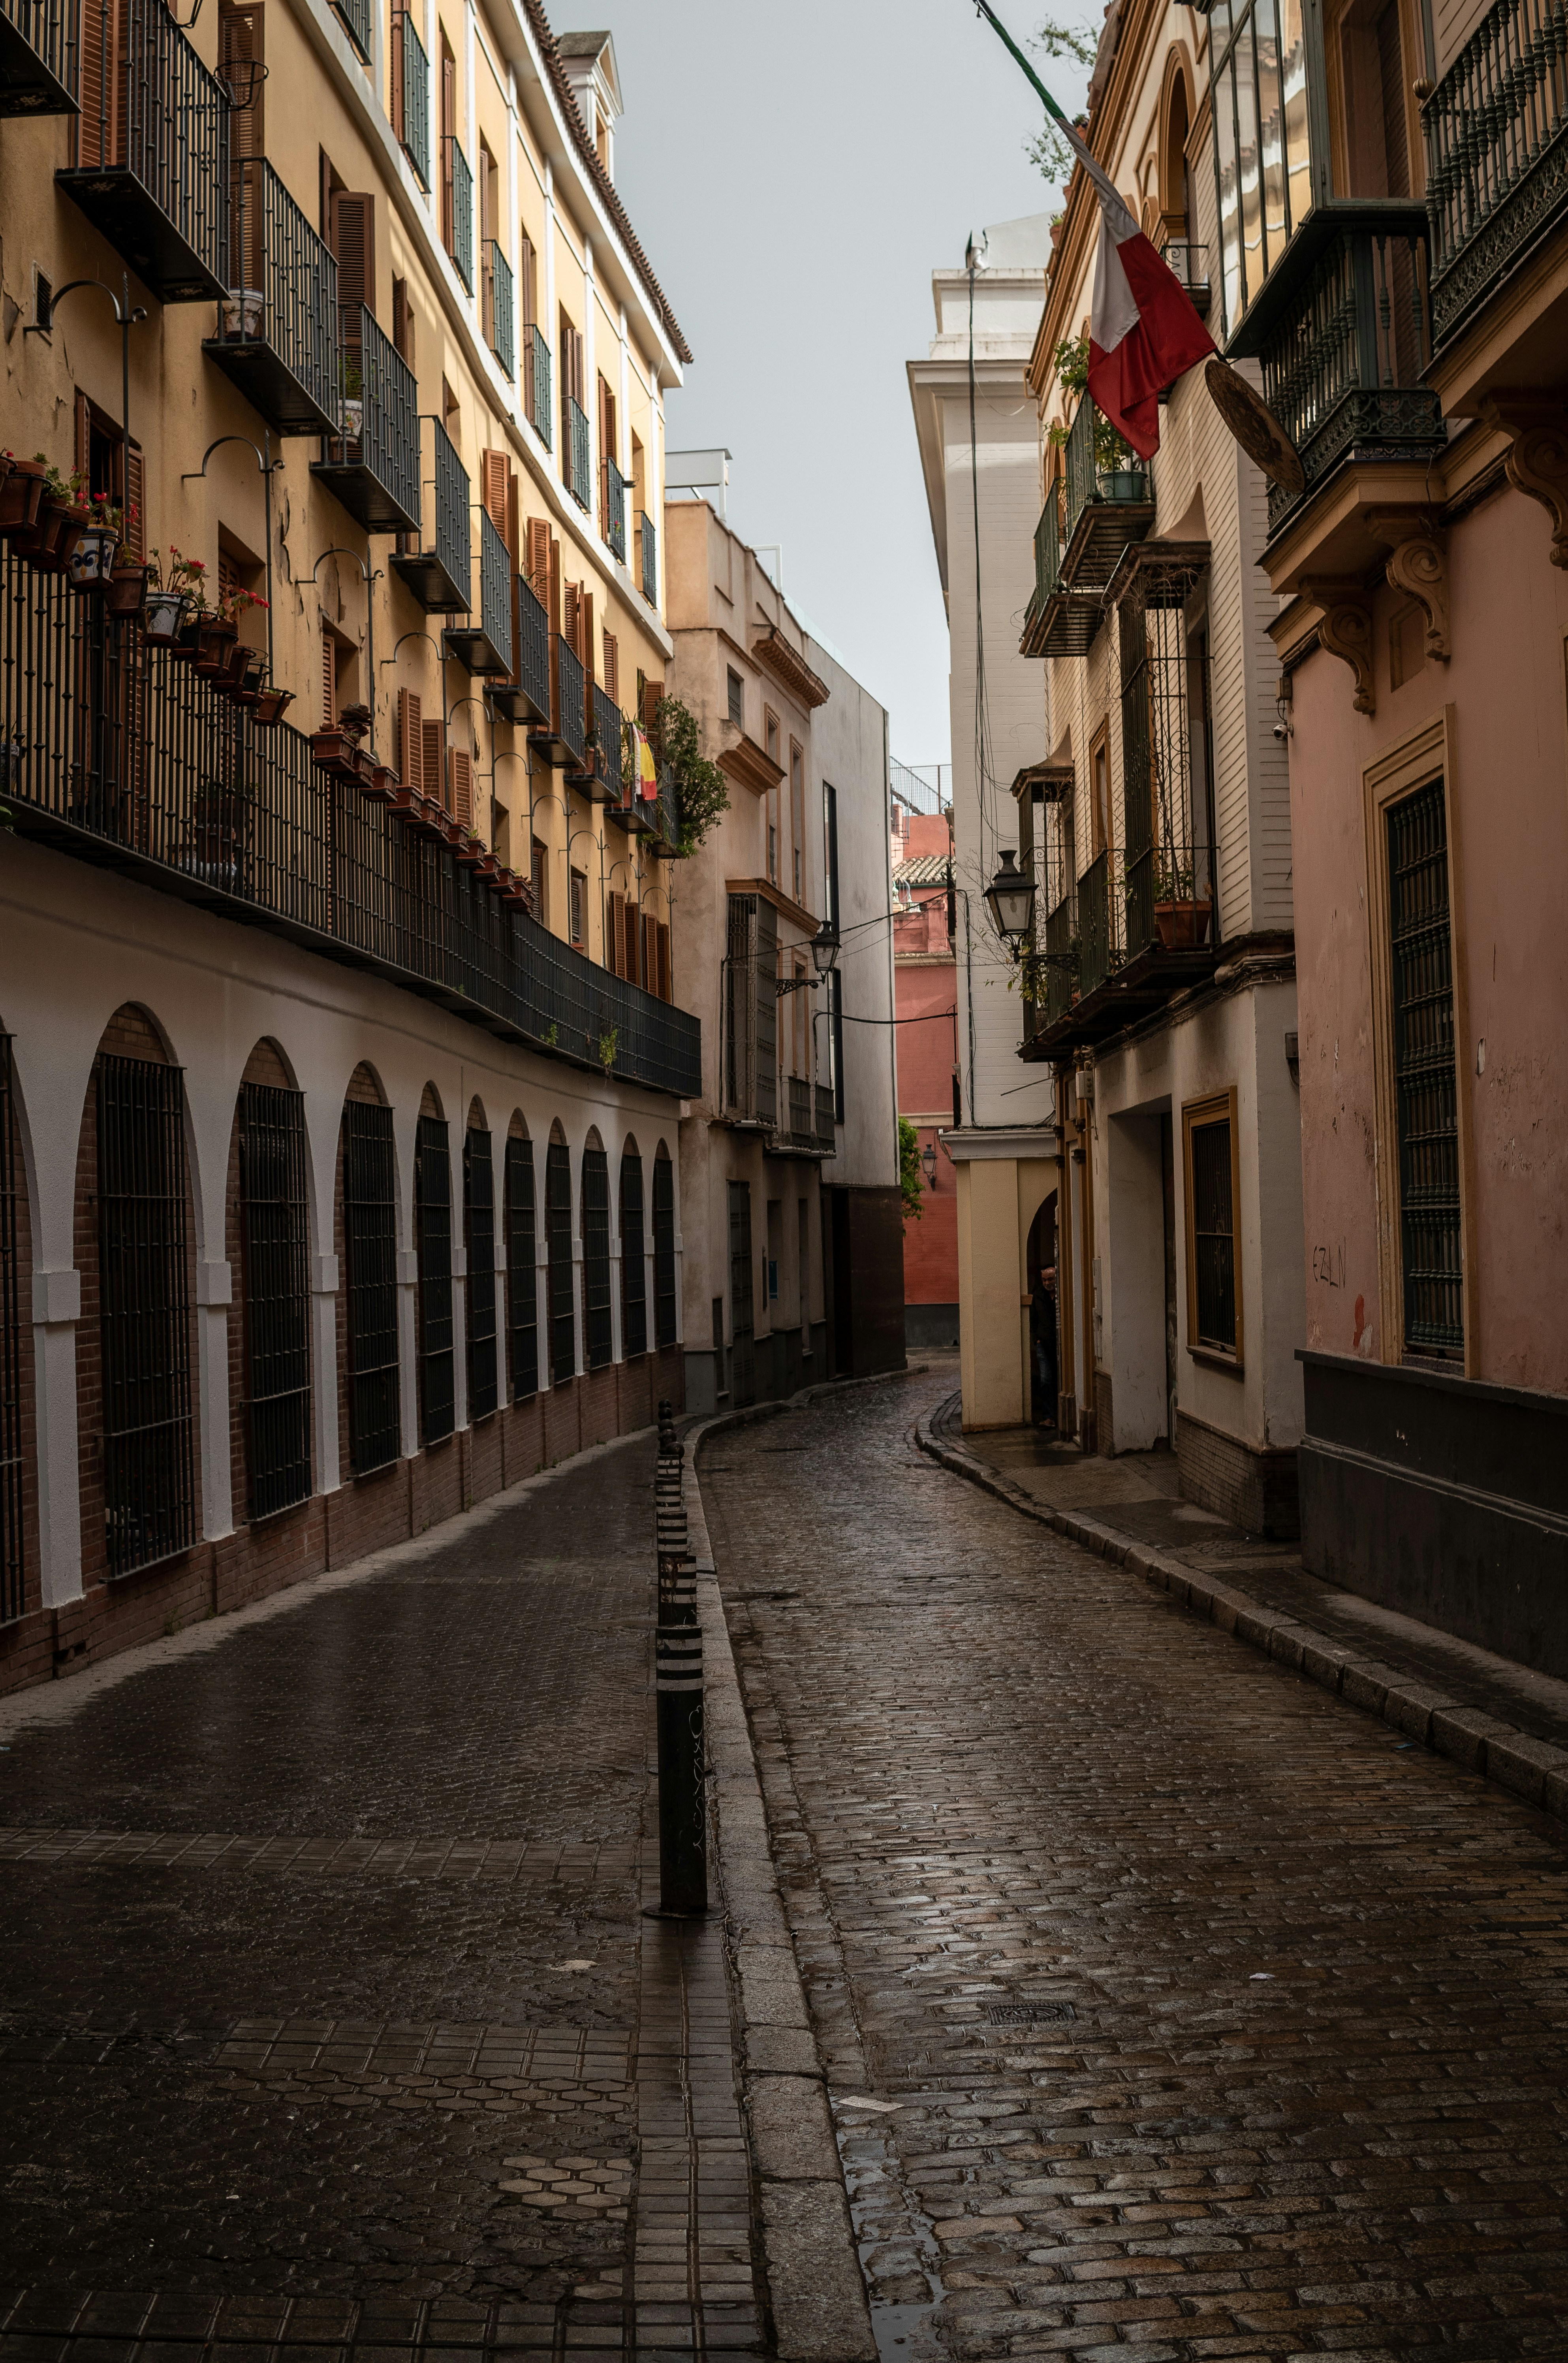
x=1272 y=129
x=1219 y=28
x=1248 y=162
x=1230 y=196
x=1293 y=61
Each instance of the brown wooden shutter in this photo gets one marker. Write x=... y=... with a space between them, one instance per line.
x=664 y=989
x=553 y=601
x=585 y=631
x=571 y=616
x=513 y=527
x=494 y=470
x=402 y=323
x=431 y=769
x=353 y=241
x=538 y=564
x=410 y=740
x=526 y=277
x=101 y=126
x=133 y=495
x=82 y=437
x=329 y=674
x=611 y=668
x=615 y=949
x=652 y=693
x=395 y=109
x=241 y=44
x=462 y=803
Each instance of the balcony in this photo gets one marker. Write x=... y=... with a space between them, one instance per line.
x=441 y=576
x=1497 y=137
x=37 y=58
x=132 y=760
x=457 y=209
x=486 y=647
x=575 y=472
x=1189 y=264
x=536 y=381
x=411 y=94
x=599 y=773
x=826 y=1138
x=1108 y=502
x=277 y=338
x=526 y=696
x=562 y=736
x=375 y=474
x=647 y=557
x=151 y=170
x=354 y=16
x=500 y=308
x=1058 y=622
x=613 y=490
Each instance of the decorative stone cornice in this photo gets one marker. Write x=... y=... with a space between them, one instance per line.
x=1418 y=564
x=1536 y=427
x=1345 y=630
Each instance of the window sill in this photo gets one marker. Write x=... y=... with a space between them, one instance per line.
x=1217 y=1359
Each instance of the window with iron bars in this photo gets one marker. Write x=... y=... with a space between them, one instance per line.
x=432 y=1243
x=522 y=1276
x=275 y=1252
x=150 y=1492
x=633 y=1265
x=13 y=1552
x=1425 y=1079
x=1167 y=788
x=598 y=1336
x=370 y=1239
x=479 y=1218
x=558 y=1248
x=664 y=1250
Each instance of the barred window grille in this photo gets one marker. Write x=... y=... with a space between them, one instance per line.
x=370 y=1236
x=664 y=1250
x=13 y=1556
x=432 y=1242
x=149 y=1493
x=633 y=1262
x=1214 y=1235
x=597 y=1332
x=478 y=1210
x=557 y=1247
x=521 y=1275
x=1425 y=1084
x=275 y=1248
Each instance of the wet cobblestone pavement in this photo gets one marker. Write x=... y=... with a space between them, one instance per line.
x=1206 y=2016
x=330 y=2024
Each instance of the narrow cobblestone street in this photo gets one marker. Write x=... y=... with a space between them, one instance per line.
x=1168 y=2006
x=330 y=2021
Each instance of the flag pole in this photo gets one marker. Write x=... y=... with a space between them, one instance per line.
x=983 y=9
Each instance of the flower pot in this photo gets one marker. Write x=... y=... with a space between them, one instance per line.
x=1122 y=484
x=186 y=638
x=382 y=787
x=214 y=645
x=270 y=706
x=353 y=415
x=49 y=546
x=20 y=495
x=246 y=689
x=126 y=591
x=335 y=751
x=242 y=309
x=92 y=561
x=1183 y=926
x=232 y=674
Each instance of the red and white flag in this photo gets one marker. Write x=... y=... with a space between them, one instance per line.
x=1143 y=332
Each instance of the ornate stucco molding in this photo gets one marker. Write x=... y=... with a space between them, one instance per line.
x=1536 y=427
x=1417 y=564
x=1345 y=630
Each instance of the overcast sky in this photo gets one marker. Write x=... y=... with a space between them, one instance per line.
x=795 y=175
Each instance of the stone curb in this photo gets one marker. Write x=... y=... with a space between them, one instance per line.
x=1527 y=1767
x=815 y=2287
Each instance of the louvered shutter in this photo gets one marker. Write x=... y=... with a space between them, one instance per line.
x=585 y=631
x=570 y=607
x=665 y=988
x=403 y=321
x=98 y=127
x=410 y=742
x=82 y=436
x=611 y=668
x=462 y=804
x=539 y=560
x=493 y=473
x=132 y=494
x=512 y=529
x=616 y=960
x=431 y=769
x=329 y=674
x=353 y=242
x=399 y=126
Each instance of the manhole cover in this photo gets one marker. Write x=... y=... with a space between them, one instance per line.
x=1030 y=2013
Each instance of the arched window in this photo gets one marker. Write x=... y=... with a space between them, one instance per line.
x=522 y=1277
x=433 y=1245
x=274 y=1217
x=558 y=1247
x=369 y=1252
x=478 y=1224
x=599 y=1343
x=634 y=1256
x=664 y=1248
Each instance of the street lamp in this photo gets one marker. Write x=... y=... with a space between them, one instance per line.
x=1012 y=897
x=825 y=948
x=928 y=1164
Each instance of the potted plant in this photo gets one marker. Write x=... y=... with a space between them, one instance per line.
x=1181 y=917
x=62 y=521
x=21 y=492
x=242 y=308
x=186 y=579
x=381 y=786
x=93 y=560
x=246 y=689
x=270 y=706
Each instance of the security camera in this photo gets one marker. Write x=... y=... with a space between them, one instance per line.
x=1283 y=730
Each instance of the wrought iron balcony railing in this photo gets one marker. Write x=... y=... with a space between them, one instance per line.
x=375 y=474
x=647 y=557
x=526 y=696
x=500 y=307
x=1062 y=959
x=802 y=1119
x=277 y=337
x=1497 y=136
x=1108 y=499
x=37 y=57
x=1189 y=262
x=411 y=94
x=484 y=643
x=574 y=452
x=152 y=150
x=563 y=739
x=612 y=489
x=598 y=775
x=823 y=1095
x=113 y=750
x=440 y=575
x=1099 y=921
x=457 y=209
x=536 y=394
x=355 y=15
x=1341 y=327
x=1048 y=576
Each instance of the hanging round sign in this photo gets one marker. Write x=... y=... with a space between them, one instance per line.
x=1254 y=426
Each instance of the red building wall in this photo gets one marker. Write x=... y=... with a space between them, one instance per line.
x=925 y=990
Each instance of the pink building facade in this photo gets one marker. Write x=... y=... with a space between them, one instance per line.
x=926 y=991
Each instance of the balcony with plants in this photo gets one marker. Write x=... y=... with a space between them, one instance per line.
x=1108 y=500
x=370 y=461
x=151 y=148
x=277 y=326
x=441 y=574
x=597 y=775
x=37 y=57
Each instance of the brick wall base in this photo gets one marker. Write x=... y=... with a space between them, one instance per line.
x=1254 y=1488
x=332 y=1530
